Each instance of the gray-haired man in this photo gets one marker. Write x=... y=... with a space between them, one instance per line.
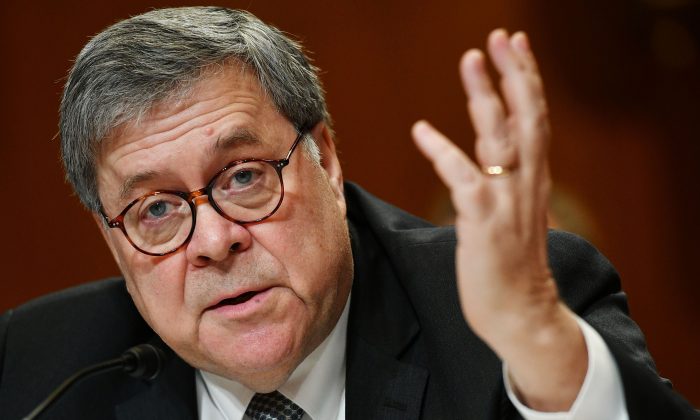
x=200 y=140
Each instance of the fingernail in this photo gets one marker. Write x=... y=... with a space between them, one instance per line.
x=499 y=35
x=521 y=41
x=420 y=128
x=473 y=59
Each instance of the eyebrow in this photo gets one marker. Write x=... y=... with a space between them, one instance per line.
x=239 y=137
x=133 y=180
x=230 y=141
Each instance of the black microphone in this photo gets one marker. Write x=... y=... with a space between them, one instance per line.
x=141 y=362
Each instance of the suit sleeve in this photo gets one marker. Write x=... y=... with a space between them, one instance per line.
x=589 y=284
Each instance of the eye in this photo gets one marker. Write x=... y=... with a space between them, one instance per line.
x=157 y=209
x=157 y=218
x=243 y=177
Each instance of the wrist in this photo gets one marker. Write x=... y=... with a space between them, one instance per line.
x=548 y=363
x=540 y=340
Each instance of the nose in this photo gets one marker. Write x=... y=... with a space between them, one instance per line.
x=214 y=237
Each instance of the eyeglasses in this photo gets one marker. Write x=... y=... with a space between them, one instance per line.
x=244 y=191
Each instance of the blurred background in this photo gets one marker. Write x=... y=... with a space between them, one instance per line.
x=622 y=78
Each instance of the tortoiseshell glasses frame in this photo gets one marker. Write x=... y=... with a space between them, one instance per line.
x=257 y=200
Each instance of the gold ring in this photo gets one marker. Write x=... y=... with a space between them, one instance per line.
x=495 y=170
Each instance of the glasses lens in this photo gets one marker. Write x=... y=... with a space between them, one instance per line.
x=159 y=223
x=248 y=191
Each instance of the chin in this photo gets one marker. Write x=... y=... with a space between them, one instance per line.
x=261 y=359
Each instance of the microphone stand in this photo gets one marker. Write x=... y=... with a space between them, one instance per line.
x=142 y=361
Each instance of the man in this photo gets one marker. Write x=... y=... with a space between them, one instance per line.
x=199 y=139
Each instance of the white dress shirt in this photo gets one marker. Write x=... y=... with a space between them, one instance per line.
x=317 y=385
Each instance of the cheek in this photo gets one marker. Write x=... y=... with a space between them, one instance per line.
x=319 y=242
x=157 y=288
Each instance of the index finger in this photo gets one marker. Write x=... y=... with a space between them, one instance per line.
x=452 y=165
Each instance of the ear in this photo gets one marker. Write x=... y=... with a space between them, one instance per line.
x=330 y=162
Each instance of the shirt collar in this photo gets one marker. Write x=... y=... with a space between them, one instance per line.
x=321 y=373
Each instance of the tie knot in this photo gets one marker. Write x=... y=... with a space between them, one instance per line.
x=273 y=406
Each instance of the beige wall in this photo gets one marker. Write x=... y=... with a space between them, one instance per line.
x=622 y=85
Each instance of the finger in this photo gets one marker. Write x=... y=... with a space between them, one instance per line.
x=522 y=91
x=485 y=107
x=521 y=46
x=461 y=176
x=519 y=78
x=452 y=165
x=486 y=111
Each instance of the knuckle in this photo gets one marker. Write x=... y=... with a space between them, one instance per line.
x=535 y=122
x=536 y=82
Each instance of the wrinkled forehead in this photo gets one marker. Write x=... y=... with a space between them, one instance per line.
x=233 y=73
x=186 y=100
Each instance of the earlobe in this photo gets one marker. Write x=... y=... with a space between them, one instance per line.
x=330 y=162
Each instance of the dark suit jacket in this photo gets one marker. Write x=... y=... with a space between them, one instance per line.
x=410 y=353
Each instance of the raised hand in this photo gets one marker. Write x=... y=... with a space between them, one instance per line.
x=506 y=290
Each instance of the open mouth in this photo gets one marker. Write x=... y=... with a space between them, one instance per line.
x=242 y=298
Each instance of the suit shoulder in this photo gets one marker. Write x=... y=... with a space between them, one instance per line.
x=98 y=317
x=583 y=274
x=87 y=292
x=98 y=306
x=393 y=226
x=78 y=305
x=49 y=338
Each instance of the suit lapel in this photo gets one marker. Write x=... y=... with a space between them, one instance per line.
x=466 y=373
x=378 y=384
x=380 y=387
x=417 y=261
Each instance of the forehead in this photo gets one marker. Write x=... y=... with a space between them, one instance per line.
x=225 y=110
x=218 y=90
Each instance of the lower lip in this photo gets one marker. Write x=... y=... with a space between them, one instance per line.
x=246 y=308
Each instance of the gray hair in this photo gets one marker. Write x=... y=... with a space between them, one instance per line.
x=134 y=64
